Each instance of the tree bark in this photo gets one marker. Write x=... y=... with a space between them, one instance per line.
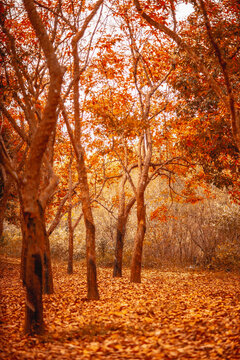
x=138 y=240
x=119 y=239
x=145 y=152
x=70 y=227
x=33 y=277
x=124 y=211
x=70 y=251
x=47 y=277
x=47 y=264
x=92 y=287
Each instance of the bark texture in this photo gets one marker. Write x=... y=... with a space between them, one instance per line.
x=33 y=277
x=47 y=277
x=70 y=227
x=92 y=287
x=123 y=214
x=144 y=155
x=138 y=240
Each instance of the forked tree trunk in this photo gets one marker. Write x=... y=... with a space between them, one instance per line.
x=138 y=240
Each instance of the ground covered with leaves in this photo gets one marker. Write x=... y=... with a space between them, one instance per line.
x=170 y=315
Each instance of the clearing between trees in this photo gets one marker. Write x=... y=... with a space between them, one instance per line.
x=170 y=315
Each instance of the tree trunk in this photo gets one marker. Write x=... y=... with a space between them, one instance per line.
x=70 y=228
x=92 y=293
x=47 y=265
x=124 y=211
x=70 y=241
x=35 y=239
x=70 y=252
x=120 y=234
x=138 y=240
x=92 y=287
x=47 y=277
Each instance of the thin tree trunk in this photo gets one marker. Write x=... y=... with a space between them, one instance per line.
x=124 y=211
x=120 y=231
x=70 y=251
x=138 y=240
x=47 y=264
x=92 y=287
x=91 y=263
x=145 y=149
x=70 y=227
x=120 y=234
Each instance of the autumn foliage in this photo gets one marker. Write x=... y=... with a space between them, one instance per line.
x=119 y=143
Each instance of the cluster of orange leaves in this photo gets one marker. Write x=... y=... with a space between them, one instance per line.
x=170 y=315
x=160 y=213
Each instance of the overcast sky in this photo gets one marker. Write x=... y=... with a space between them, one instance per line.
x=183 y=10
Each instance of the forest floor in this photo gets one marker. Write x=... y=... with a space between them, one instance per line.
x=170 y=315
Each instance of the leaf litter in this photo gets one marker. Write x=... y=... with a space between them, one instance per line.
x=170 y=315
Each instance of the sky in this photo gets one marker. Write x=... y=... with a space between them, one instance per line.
x=183 y=10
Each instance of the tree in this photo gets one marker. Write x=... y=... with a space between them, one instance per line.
x=24 y=97
x=70 y=227
x=203 y=126
x=147 y=81
x=76 y=140
x=34 y=230
x=128 y=109
x=34 y=233
x=209 y=13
